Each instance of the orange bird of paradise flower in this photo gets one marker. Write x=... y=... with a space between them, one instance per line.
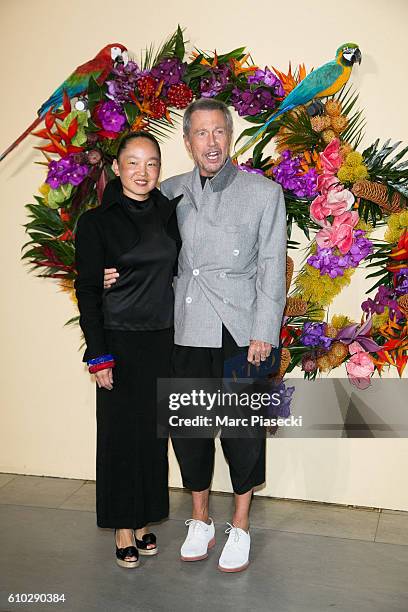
x=399 y=254
x=395 y=351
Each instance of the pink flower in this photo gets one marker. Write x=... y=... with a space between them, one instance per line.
x=331 y=157
x=360 y=366
x=326 y=181
x=340 y=233
x=334 y=202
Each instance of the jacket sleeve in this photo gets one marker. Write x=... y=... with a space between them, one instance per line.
x=89 y=258
x=271 y=271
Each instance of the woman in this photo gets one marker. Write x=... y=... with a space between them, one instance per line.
x=128 y=331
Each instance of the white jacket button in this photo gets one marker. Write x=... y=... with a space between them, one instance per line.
x=196 y=272
x=189 y=300
x=226 y=301
x=222 y=275
x=235 y=252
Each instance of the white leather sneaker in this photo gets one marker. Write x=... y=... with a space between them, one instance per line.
x=200 y=538
x=235 y=554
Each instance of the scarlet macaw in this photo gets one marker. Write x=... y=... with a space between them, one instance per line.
x=77 y=83
x=324 y=81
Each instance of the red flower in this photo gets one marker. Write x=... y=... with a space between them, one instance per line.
x=158 y=108
x=179 y=95
x=147 y=86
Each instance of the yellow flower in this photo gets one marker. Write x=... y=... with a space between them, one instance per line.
x=380 y=319
x=360 y=172
x=68 y=287
x=403 y=218
x=339 y=321
x=363 y=225
x=354 y=159
x=44 y=189
x=321 y=289
x=346 y=174
x=397 y=224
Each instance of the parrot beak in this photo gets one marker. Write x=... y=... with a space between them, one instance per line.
x=125 y=58
x=119 y=56
x=357 y=56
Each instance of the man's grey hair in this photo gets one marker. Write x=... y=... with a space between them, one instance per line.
x=206 y=104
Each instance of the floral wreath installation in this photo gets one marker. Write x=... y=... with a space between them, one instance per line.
x=335 y=194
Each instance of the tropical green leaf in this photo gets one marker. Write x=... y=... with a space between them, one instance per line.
x=179 y=47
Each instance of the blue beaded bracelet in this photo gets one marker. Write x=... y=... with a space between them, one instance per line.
x=98 y=360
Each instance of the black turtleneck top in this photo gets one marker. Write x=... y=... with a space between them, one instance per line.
x=142 y=297
x=140 y=240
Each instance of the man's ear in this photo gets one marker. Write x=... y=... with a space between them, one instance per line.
x=187 y=143
x=115 y=167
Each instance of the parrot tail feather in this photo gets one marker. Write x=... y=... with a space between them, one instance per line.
x=30 y=128
x=258 y=134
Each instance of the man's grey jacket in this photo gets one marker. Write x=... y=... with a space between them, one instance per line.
x=232 y=264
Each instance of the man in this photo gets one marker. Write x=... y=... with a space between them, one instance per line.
x=230 y=294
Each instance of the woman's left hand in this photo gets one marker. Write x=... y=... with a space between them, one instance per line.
x=104 y=379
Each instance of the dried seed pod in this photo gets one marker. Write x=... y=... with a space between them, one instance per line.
x=333 y=108
x=289 y=271
x=339 y=123
x=295 y=307
x=403 y=303
x=378 y=193
x=328 y=135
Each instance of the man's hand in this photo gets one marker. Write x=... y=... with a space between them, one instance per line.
x=104 y=379
x=109 y=277
x=258 y=351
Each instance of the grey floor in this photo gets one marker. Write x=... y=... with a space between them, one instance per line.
x=305 y=557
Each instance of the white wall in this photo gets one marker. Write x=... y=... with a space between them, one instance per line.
x=47 y=399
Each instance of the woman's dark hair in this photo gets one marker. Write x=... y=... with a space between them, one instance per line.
x=132 y=136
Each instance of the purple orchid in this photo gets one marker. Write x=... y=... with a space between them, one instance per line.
x=266 y=77
x=288 y=173
x=401 y=282
x=66 y=170
x=313 y=335
x=359 y=333
x=215 y=81
x=111 y=116
x=385 y=297
x=329 y=262
x=124 y=82
x=170 y=71
x=252 y=102
x=248 y=167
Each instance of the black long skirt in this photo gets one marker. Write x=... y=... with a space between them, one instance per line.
x=131 y=462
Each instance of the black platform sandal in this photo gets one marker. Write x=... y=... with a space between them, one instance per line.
x=128 y=551
x=147 y=539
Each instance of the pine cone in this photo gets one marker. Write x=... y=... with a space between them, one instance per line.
x=289 y=271
x=295 y=307
x=284 y=364
x=403 y=304
x=378 y=193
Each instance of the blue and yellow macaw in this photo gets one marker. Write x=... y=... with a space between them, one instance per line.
x=324 y=81
x=77 y=83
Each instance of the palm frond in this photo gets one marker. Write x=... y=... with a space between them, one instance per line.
x=150 y=57
x=354 y=133
x=391 y=172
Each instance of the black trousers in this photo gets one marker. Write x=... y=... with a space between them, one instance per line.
x=245 y=456
x=131 y=462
